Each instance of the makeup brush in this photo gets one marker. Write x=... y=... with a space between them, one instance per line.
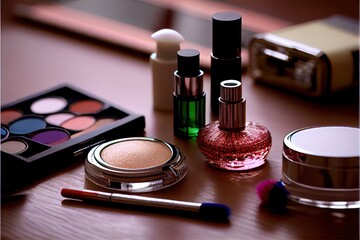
x=213 y=211
x=273 y=195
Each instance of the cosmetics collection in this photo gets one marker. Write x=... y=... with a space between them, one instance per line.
x=230 y=143
x=58 y=126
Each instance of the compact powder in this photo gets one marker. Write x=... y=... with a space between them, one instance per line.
x=136 y=154
x=86 y=106
x=135 y=164
x=48 y=105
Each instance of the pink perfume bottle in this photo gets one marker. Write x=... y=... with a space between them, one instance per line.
x=231 y=143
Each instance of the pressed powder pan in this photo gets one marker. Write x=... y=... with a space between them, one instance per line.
x=137 y=164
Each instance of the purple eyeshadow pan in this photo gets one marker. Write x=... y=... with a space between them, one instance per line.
x=51 y=136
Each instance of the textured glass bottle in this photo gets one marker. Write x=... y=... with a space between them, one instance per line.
x=232 y=143
x=189 y=97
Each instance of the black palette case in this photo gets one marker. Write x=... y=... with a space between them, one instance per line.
x=47 y=131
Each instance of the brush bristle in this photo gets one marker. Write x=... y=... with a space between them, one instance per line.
x=215 y=211
x=273 y=195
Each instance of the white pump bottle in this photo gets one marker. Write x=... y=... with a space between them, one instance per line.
x=163 y=65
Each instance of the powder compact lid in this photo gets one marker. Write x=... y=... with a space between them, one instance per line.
x=136 y=164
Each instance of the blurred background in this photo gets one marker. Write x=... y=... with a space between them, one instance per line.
x=296 y=10
x=129 y=23
x=301 y=10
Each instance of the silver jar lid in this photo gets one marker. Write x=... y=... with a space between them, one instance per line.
x=328 y=147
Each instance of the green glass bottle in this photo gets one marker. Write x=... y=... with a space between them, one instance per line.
x=189 y=97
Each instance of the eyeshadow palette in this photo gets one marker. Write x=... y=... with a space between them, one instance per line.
x=42 y=133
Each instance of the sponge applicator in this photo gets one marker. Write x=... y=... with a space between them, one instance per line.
x=273 y=195
x=163 y=65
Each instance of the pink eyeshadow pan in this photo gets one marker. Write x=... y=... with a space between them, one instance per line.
x=59 y=118
x=136 y=154
x=78 y=123
x=99 y=123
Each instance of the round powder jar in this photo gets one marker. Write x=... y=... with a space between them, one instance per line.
x=137 y=164
x=320 y=166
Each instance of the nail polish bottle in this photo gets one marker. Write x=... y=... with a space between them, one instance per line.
x=189 y=97
x=231 y=143
x=163 y=63
x=226 y=52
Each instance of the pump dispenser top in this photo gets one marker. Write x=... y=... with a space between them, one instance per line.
x=232 y=115
x=163 y=65
x=167 y=43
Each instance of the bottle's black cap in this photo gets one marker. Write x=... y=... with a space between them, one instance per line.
x=188 y=62
x=226 y=34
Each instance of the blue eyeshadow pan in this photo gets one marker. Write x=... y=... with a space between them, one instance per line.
x=27 y=125
x=4 y=132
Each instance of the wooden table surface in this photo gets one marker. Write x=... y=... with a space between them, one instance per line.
x=35 y=59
